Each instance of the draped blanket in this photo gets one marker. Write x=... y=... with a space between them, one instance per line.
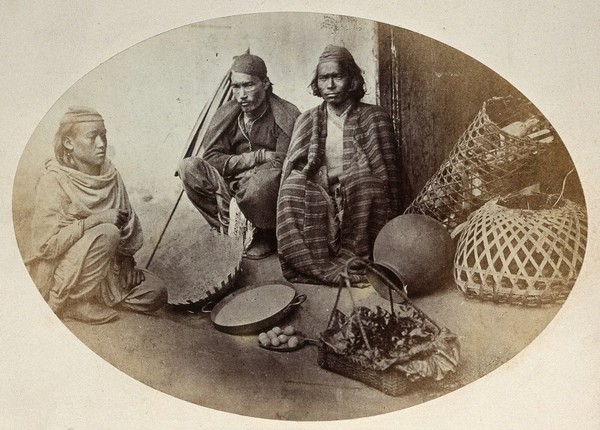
x=369 y=187
x=65 y=197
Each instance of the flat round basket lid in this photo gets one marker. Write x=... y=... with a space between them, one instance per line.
x=252 y=305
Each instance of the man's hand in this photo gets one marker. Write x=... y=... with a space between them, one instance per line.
x=130 y=276
x=275 y=159
x=117 y=217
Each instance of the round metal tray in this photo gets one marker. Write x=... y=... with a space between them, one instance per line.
x=254 y=308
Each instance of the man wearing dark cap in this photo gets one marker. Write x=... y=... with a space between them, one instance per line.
x=340 y=179
x=85 y=232
x=245 y=145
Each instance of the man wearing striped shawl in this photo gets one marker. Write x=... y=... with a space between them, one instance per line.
x=340 y=178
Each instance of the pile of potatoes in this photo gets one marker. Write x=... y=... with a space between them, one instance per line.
x=279 y=338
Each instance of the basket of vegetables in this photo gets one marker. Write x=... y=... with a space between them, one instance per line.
x=387 y=350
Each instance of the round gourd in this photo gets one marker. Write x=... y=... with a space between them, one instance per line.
x=417 y=250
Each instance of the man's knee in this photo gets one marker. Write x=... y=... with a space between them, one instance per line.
x=191 y=168
x=185 y=167
x=199 y=178
x=104 y=238
x=107 y=236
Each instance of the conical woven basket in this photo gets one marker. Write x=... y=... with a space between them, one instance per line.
x=483 y=163
x=522 y=250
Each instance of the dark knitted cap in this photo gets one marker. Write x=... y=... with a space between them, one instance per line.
x=336 y=53
x=249 y=64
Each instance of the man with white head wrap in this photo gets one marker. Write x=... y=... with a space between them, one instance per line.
x=85 y=231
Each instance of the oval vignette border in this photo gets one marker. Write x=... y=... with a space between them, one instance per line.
x=591 y=206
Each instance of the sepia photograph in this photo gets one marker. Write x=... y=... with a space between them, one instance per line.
x=300 y=217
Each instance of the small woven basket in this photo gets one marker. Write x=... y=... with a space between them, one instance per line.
x=389 y=381
x=483 y=163
x=392 y=380
x=522 y=250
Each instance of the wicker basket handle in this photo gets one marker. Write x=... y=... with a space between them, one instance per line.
x=345 y=281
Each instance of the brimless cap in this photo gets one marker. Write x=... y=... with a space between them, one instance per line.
x=77 y=114
x=335 y=53
x=249 y=64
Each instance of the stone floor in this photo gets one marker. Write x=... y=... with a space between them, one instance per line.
x=182 y=354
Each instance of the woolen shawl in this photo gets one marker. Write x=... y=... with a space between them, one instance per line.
x=369 y=186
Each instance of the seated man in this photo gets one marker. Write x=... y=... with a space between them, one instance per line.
x=245 y=143
x=340 y=179
x=85 y=232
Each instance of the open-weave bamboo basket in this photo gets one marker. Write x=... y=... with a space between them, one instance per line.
x=508 y=252
x=483 y=163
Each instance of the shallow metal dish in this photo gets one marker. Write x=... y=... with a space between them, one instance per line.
x=252 y=309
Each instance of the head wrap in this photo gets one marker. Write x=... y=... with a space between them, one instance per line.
x=77 y=114
x=249 y=64
x=336 y=53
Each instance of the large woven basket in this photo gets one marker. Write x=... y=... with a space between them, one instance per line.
x=483 y=163
x=522 y=250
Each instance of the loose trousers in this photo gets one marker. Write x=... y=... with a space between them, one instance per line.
x=89 y=270
x=255 y=192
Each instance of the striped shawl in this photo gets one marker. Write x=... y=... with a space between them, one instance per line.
x=369 y=186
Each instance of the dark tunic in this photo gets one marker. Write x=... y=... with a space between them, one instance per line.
x=233 y=160
x=226 y=146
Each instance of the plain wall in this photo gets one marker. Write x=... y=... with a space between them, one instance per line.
x=434 y=92
x=151 y=94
